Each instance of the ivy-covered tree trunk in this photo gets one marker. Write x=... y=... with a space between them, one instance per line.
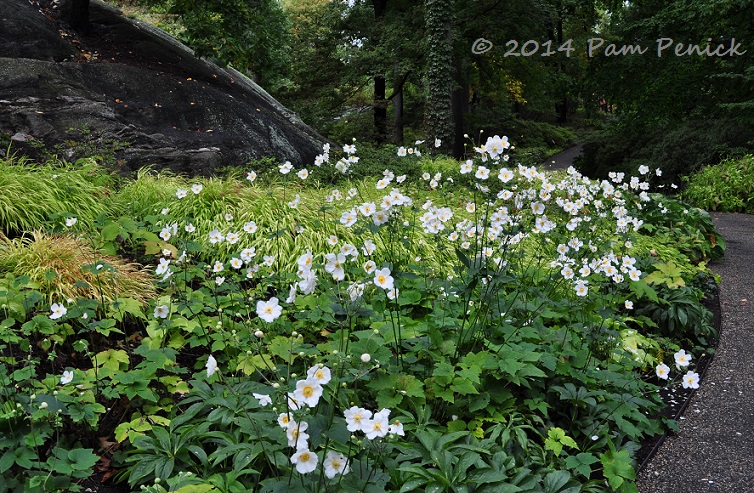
x=439 y=110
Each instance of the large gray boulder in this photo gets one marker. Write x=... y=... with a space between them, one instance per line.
x=131 y=83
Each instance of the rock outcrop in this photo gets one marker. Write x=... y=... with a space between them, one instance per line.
x=132 y=83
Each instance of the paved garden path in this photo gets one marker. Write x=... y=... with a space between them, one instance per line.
x=714 y=448
x=562 y=160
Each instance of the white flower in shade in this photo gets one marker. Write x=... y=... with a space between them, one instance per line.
x=219 y=280
x=370 y=266
x=269 y=310
x=218 y=267
x=161 y=311
x=366 y=358
x=319 y=373
x=402 y=151
x=308 y=391
x=70 y=221
x=505 y=175
x=383 y=279
x=67 y=377
x=284 y=419
x=581 y=287
x=251 y=176
x=58 y=310
x=291 y=294
x=380 y=217
x=496 y=145
x=349 y=148
x=332 y=240
x=681 y=358
x=438 y=142
x=629 y=305
x=247 y=254
x=392 y=293
x=308 y=284
x=269 y=260
x=643 y=169
x=690 y=380
x=196 y=188
x=236 y=263
x=305 y=460
x=467 y=167
x=215 y=236
x=369 y=247
x=355 y=417
x=263 y=399
x=396 y=428
x=232 y=238
x=303 y=174
x=285 y=168
x=482 y=173
x=662 y=371
x=163 y=267
x=348 y=218
x=165 y=211
x=296 y=434
x=181 y=193
x=165 y=234
x=355 y=290
x=334 y=265
x=211 y=366
x=335 y=463
x=377 y=426
x=658 y=172
x=190 y=228
x=250 y=227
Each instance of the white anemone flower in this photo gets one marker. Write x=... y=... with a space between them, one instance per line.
x=308 y=391
x=355 y=417
x=662 y=371
x=58 y=310
x=269 y=310
x=383 y=279
x=304 y=460
x=67 y=377
x=319 y=373
x=335 y=463
x=691 y=380
x=211 y=366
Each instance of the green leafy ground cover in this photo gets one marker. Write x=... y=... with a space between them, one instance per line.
x=469 y=326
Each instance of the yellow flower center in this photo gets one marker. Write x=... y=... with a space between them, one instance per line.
x=308 y=391
x=305 y=457
x=381 y=279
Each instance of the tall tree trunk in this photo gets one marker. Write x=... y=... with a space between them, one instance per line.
x=460 y=98
x=439 y=113
x=555 y=34
x=379 y=103
x=398 y=117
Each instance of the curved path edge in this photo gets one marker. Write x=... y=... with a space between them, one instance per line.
x=714 y=447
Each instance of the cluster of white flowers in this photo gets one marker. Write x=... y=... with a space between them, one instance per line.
x=682 y=359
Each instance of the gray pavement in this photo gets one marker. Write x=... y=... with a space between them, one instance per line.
x=713 y=450
x=562 y=160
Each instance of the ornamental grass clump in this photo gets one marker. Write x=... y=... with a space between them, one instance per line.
x=33 y=194
x=63 y=267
